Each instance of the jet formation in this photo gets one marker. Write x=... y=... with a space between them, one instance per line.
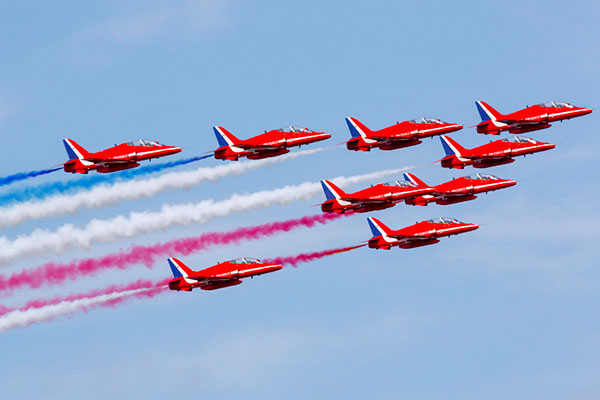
x=411 y=190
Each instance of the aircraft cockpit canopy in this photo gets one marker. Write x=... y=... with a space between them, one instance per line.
x=399 y=183
x=426 y=120
x=246 y=260
x=482 y=177
x=145 y=143
x=444 y=220
x=556 y=104
x=296 y=129
x=517 y=139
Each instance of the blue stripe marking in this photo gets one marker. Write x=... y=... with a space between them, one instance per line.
x=220 y=138
x=374 y=229
x=482 y=113
x=447 y=148
x=176 y=272
x=70 y=151
x=328 y=194
x=353 y=131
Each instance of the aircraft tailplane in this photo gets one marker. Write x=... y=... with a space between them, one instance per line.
x=451 y=146
x=74 y=150
x=377 y=227
x=331 y=190
x=357 y=128
x=224 y=137
x=487 y=112
x=413 y=178
x=179 y=269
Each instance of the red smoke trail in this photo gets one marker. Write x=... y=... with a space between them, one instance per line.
x=308 y=257
x=55 y=273
x=153 y=289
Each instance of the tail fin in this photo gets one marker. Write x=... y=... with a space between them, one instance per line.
x=357 y=128
x=377 y=227
x=74 y=150
x=487 y=112
x=451 y=147
x=332 y=191
x=180 y=270
x=413 y=178
x=224 y=137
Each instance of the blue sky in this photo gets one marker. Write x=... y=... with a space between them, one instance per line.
x=506 y=311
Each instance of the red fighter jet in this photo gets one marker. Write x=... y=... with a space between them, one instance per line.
x=528 y=119
x=228 y=273
x=268 y=144
x=490 y=154
x=377 y=197
x=403 y=134
x=117 y=158
x=457 y=190
x=420 y=234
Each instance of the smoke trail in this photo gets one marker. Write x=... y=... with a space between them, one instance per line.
x=308 y=257
x=55 y=273
x=138 y=223
x=48 y=189
x=104 y=195
x=7 y=180
x=42 y=310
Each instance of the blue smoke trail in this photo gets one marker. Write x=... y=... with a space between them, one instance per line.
x=7 y=180
x=50 y=188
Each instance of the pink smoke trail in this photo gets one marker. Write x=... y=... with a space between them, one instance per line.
x=38 y=303
x=308 y=257
x=57 y=273
x=44 y=310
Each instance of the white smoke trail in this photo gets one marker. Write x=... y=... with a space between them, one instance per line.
x=138 y=223
x=104 y=195
x=20 y=318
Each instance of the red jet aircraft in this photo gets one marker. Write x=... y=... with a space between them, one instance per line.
x=526 y=120
x=117 y=158
x=457 y=190
x=228 y=273
x=268 y=144
x=420 y=234
x=403 y=134
x=490 y=154
x=377 y=197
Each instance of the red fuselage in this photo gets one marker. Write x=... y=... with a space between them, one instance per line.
x=402 y=134
x=461 y=189
x=377 y=197
x=268 y=144
x=494 y=153
x=222 y=275
x=117 y=158
x=531 y=118
x=420 y=234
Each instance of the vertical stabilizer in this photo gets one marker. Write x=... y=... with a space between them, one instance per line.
x=224 y=137
x=357 y=129
x=377 y=227
x=487 y=112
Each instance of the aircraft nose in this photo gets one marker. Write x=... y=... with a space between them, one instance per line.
x=509 y=182
x=471 y=227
